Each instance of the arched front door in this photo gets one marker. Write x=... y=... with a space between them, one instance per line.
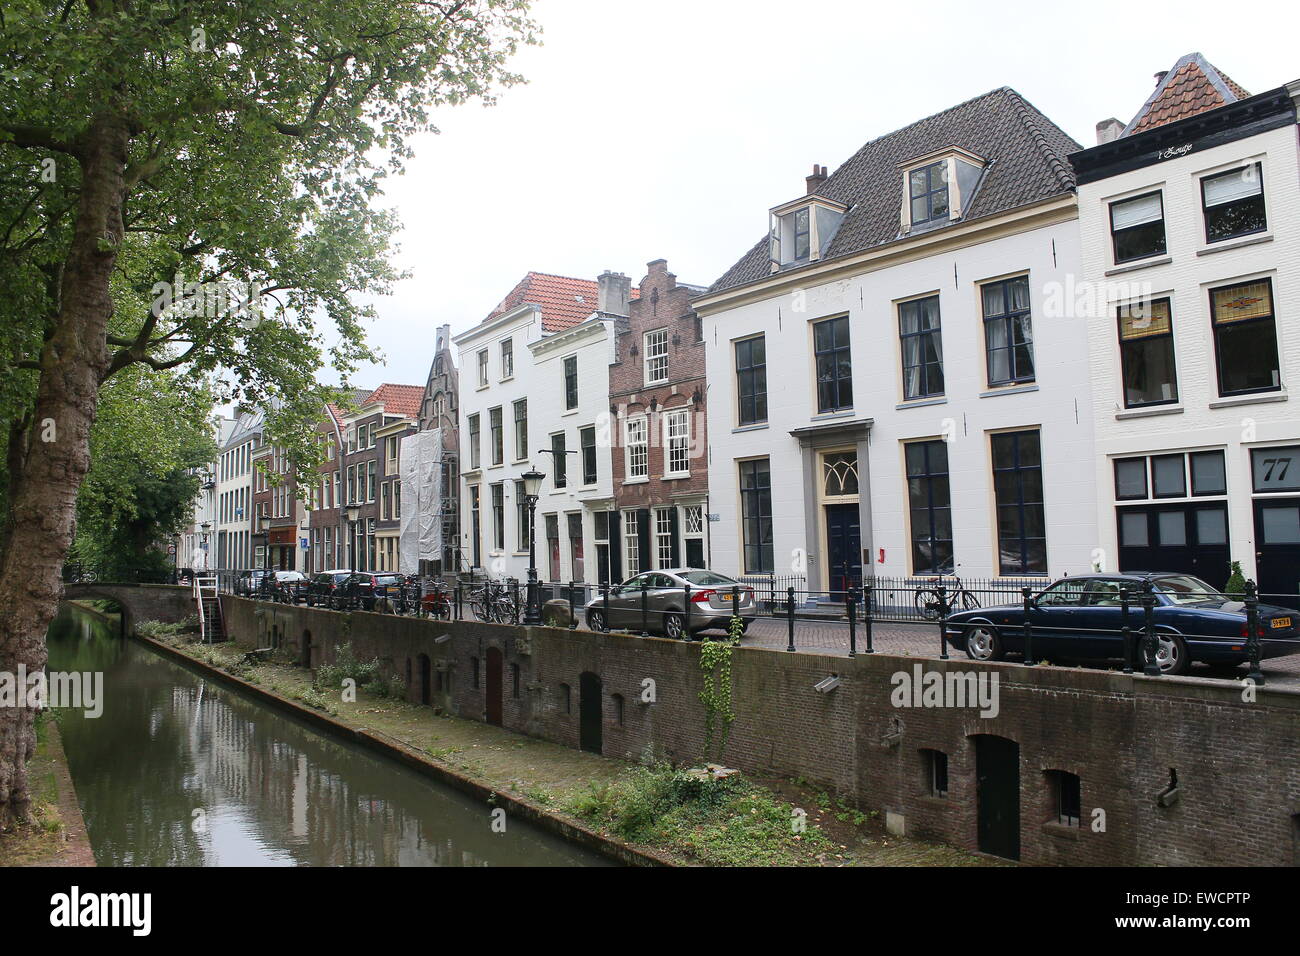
x=589 y=716
x=494 y=664
x=997 y=795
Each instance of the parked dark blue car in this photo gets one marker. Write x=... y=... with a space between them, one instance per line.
x=1080 y=619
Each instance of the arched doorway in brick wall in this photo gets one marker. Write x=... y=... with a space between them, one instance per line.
x=426 y=679
x=590 y=718
x=495 y=663
x=997 y=795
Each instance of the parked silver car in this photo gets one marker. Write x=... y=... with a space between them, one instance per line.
x=658 y=600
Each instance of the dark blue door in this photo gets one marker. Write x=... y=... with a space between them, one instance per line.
x=843 y=547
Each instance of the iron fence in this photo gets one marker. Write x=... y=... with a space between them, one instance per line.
x=919 y=611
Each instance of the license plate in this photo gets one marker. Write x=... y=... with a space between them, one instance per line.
x=1280 y=622
x=726 y=597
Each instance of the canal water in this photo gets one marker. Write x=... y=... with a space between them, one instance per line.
x=179 y=771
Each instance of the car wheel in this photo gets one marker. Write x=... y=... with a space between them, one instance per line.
x=1171 y=654
x=596 y=620
x=673 y=626
x=983 y=643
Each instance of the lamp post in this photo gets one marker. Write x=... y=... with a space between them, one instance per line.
x=353 y=512
x=205 y=529
x=264 y=532
x=533 y=603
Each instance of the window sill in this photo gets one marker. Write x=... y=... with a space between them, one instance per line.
x=508 y=378
x=1064 y=831
x=1237 y=243
x=483 y=388
x=1152 y=412
x=1139 y=264
x=677 y=476
x=636 y=481
x=1009 y=390
x=656 y=384
x=922 y=402
x=755 y=427
x=831 y=416
x=571 y=411
x=1263 y=398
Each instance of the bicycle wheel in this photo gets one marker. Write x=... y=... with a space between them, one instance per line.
x=482 y=610
x=969 y=601
x=927 y=604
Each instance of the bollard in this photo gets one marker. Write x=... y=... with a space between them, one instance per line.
x=853 y=622
x=460 y=606
x=645 y=611
x=1027 y=596
x=686 y=604
x=868 y=595
x=789 y=615
x=943 y=622
x=1125 y=630
x=735 y=606
x=1252 y=634
x=604 y=597
x=573 y=611
x=1149 y=641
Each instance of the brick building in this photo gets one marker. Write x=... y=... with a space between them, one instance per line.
x=657 y=395
x=435 y=548
x=369 y=466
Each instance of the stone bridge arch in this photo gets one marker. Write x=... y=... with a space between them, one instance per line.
x=169 y=603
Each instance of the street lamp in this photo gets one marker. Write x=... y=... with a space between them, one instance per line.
x=353 y=513
x=532 y=490
x=263 y=532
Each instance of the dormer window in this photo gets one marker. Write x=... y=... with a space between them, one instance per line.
x=938 y=187
x=929 y=190
x=802 y=230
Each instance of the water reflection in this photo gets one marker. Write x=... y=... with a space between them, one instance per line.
x=181 y=772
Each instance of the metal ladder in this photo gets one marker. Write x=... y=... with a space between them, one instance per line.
x=207 y=599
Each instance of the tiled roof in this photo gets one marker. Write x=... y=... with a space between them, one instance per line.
x=1193 y=86
x=1025 y=151
x=564 y=302
x=401 y=400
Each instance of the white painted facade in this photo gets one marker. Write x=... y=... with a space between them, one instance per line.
x=232 y=543
x=537 y=378
x=1040 y=242
x=1201 y=419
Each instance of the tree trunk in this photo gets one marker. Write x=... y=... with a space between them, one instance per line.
x=73 y=361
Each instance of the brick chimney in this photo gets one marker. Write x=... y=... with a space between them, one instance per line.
x=442 y=339
x=613 y=291
x=816 y=179
x=1109 y=130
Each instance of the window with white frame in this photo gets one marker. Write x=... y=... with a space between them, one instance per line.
x=677 y=439
x=664 y=537
x=483 y=368
x=631 y=545
x=637 y=447
x=656 y=357
x=508 y=359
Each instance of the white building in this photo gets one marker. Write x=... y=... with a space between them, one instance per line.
x=534 y=387
x=1190 y=222
x=194 y=548
x=891 y=388
x=233 y=538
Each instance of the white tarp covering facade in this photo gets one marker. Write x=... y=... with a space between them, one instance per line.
x=420 y=530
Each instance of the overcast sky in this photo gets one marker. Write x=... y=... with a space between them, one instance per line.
x=668 y=129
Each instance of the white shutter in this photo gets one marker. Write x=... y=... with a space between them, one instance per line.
x=1136 y=212
x=1229 y=187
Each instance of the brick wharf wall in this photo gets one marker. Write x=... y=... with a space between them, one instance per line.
x=1237 y=764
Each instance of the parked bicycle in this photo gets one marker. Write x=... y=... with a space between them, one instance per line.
x=496 y=602
x=959 y=597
